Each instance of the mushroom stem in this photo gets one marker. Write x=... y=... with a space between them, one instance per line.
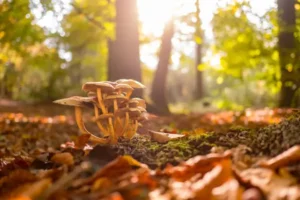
x=112 y=131
x=98 y=140
x=115 y=105
x=128 y=94
x=79 y=121
x=102 y=129
x=99 y=96
x=126 y=122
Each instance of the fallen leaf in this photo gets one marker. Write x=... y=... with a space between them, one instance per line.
x=162 y=137
x=230 y=190
x=287 y=157
x=34 y=190
x=195 y=165
x=214 y=178
x=272 y=185
x=63 y=159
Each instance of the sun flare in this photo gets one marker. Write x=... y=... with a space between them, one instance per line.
x=154 y=14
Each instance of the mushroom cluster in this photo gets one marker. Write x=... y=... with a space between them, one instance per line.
x=116 y=114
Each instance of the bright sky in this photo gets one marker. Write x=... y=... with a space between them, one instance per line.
x=154 y=14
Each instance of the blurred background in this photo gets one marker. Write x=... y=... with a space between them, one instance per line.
x=192 y=55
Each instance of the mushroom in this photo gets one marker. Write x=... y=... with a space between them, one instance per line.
x=129 y=114
x=141 y=102
x=124 y=88
x=102 y=129
x=79 y=102
x=99 y=88
x=102 y=118
x=117 y=99
x=131 y=82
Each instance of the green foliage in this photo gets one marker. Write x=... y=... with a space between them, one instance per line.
x=37 y=64
x=248 y=72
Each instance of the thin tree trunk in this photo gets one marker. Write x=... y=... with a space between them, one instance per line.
x=199 y=92
x=124 y=58
x=287 y=51
x=158 y=93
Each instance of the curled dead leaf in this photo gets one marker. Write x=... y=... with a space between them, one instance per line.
x=195 y=165
x=271 y=184
x=230 y=190
x=212 y=179
x=287 y=157
x=162 y=137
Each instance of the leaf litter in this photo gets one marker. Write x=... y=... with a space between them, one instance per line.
x=251 y=155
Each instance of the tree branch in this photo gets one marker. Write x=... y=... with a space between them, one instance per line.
x=87 y=17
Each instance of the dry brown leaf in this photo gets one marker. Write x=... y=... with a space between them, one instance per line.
x=270 y=183
x=230 y=190
x=63 y=159
x=214 y=178
x=101 y=183
x=162 y=137
x=32 y=191
x=253 y=194
x=115 y=168
x=82 y=140
x=289 y=156
x=195 y=165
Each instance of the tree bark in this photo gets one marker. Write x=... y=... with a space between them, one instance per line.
x=124 y=56
x=199 y=90
x=287 y=52
x=158 y=93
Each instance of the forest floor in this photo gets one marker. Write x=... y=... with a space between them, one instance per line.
x=253 y=154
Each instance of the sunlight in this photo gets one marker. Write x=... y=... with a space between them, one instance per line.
x=154 y=14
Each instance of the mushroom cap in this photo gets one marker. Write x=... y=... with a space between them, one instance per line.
x=77 y=101
x=131 y=82
x=91 y=94
x=133 y=104
x=118 y=97
x=105 y=116
x=111 y=83
x=142 y=109
x=133 y=112
x=92 y=86
x=141 y=102
x=123 y=87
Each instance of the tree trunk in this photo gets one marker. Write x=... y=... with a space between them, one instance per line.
x=287 y=52
x=158 y=93
x=199 y=91
x=124 y=56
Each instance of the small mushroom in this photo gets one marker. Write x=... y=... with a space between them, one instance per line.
x=141 y=102
x=78 y=103
x=120 y=88
x=131 y=82
x=101 y=118
x=99 y=88
x=116 y=99
x=131 y=124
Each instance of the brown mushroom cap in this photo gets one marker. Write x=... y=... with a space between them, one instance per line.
x=141 y=102
x=133 y=112
x=104 y=116
x=133 y=104
x=142 y=109
x=92 y=86
x=120 y=98
x=131 y=82
x=111 y=83
x=91 y=94
x=123 y=87
x=77 y=101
